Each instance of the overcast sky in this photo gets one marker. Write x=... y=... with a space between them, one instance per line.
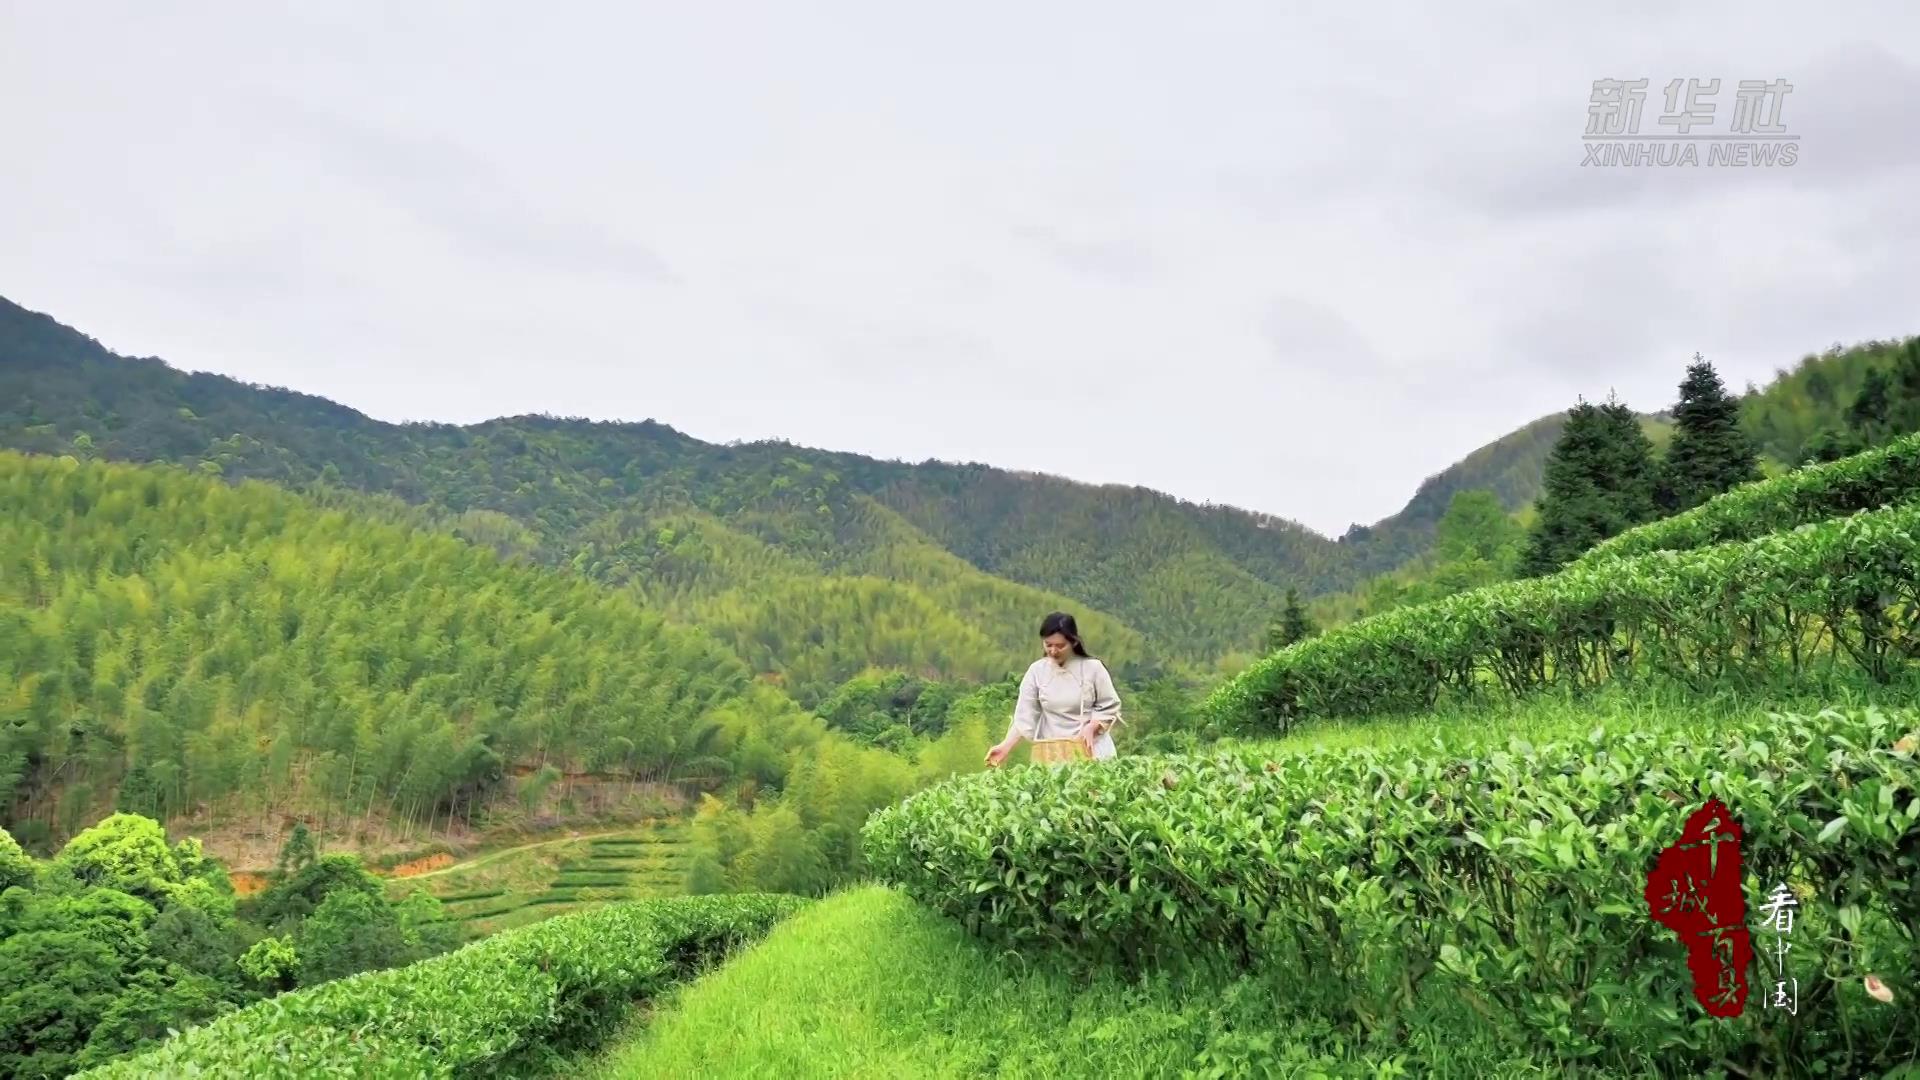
x=1290 y=256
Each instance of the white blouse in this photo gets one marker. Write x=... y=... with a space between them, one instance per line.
x=1056 y=699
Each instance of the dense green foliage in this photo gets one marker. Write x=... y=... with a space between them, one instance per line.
x=1508 y=879
x=218 y=653
x=123 y=936
x=1185 y=583
x=230 y=645
x=1291 y=625
x=892 y=708
x=506 y=1005
x=876 y=594
x=1838 y=600
x=1887 y=476
x=965 y=551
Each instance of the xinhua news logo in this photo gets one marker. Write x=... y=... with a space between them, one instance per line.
x=1753 y=136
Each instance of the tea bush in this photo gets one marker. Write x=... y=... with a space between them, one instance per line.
x=500 y=1006
x=1886 y=476
x=1836 y=599
x=1511 y=881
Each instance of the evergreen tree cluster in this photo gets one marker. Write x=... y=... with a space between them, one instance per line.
x=1604 y=478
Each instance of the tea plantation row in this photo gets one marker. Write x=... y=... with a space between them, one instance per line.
x=1886 y=476
x=506 y=1005
x=1512 y=881
x=1835 y=600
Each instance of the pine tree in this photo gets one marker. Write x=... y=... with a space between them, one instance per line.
x=1292 y=625
x=1906 y=389
x=1871 y=414
x=297 y=853
x=1710 y=452
x=1600 y=481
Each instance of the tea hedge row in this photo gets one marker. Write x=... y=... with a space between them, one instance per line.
x=500 y=1006
x=1837 y=598
x=1511 y=882
x=1883 y=477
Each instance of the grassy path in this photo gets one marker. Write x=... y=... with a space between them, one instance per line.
x=867 y=984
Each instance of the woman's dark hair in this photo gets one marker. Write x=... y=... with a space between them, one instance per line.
x=1062 y=623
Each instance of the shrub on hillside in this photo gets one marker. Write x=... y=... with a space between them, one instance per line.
x=1511 y=881
x=500 y=1006
x=1782 y=608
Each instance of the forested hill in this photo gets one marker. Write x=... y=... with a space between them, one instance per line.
x=966 y=552
x=1511 y=467
x=1827 y=405
x=170 y=643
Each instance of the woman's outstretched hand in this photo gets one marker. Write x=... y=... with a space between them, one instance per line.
x=997 y=753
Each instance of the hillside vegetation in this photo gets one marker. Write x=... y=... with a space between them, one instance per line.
x=201 y=645
x=1190 y=580
x=1573 y=481
x=1510 y=469
x=416 y=629
x=1838 y=402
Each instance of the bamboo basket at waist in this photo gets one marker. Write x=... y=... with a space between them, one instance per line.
x=1059 y=751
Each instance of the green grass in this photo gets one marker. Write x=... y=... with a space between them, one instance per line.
x=868 y=984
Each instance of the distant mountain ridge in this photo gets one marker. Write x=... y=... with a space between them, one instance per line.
x=968 y=553
x=1158 y=580
x=1513 y=467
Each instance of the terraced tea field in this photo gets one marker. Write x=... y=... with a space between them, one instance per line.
x=532 y=882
